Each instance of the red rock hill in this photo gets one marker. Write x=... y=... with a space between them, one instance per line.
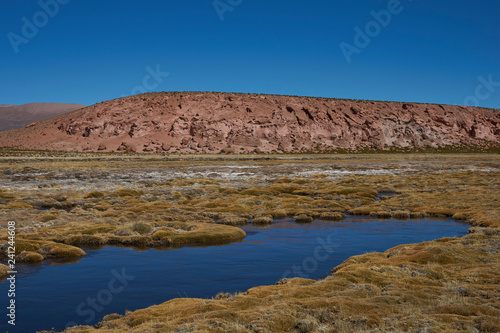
x=211 y=122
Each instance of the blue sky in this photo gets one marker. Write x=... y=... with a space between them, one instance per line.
x=88 y=51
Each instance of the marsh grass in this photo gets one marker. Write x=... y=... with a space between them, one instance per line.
x=47 y=249
x=303 y=218
x=128 y=193
x=332 y=216
x=17 y=205
x=4 y=270
x=142 y=228
x=263 y=220
x=6 y=195
x=29 y=257
x=95 y=194
x=47 y=218
x=446 y=285
x=233 y=220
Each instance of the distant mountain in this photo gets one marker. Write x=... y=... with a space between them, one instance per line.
x=17 y=116
x=190 y=122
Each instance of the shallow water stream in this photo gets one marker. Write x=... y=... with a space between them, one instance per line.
x=53 y=295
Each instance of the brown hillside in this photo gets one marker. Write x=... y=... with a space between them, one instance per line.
x=17 y=116
x=211 y=122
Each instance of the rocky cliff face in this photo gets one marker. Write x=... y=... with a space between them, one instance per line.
x=211 y=122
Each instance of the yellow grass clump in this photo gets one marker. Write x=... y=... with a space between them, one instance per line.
x=17 y=205
x=332 y=216
x=262 y=220
x=4 y=270
x=303 y=218
x=29 y=257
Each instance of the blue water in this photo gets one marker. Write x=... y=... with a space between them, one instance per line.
x=53 y=294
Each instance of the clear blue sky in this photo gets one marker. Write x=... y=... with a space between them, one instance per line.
x=95 y=50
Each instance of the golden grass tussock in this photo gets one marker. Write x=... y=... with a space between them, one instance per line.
x=234 y=220
x=156 y=234
x=29 y=257
x=6 y=195
x=381 y=214
x=201 y=233
x=4 y=270
x=128 y=193
x=127 y=231
x=47 y=218
x=361 y=191
x=57 y=250
x=418 y=215
x=277 y=213
x=303 y=218
x=17 y=205
x=142 y=228
x=401 y=214
x=461 y=215
x=31 y=249
x=83 y=240
x=332 y=216
x=95 y=194
x=263 y=220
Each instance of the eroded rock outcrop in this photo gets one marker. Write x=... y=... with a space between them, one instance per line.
x=215 y=122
